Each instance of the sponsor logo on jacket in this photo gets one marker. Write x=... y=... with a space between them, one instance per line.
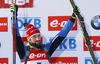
x=39 y=55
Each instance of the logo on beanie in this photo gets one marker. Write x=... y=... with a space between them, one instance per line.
x=34 y=32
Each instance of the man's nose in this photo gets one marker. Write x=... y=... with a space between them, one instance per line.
x=37 y=38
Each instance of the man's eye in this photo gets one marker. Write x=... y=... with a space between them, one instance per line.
x=39 y=35
x=34 y=36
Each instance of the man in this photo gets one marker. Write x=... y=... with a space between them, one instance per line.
x=35 y=52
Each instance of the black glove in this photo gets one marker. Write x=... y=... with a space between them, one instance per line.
x=73 y=16
x=76 y=10
x=14 y=8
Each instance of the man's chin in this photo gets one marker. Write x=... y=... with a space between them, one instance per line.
x=38 y=43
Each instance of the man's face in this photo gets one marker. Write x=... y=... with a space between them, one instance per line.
x=35 y=39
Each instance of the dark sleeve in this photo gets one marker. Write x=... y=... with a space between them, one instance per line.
x=55 y=44
x=61 y=35
x=19 y=43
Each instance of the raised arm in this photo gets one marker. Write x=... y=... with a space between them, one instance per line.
x=19 y=42
x=62 y=34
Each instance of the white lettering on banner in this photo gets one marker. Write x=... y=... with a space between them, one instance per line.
x=3 y=24
x=39 y=55
x=9 y=1
x=18 y=2
x=98 y=44
x=27 y=1
x=93 y=43
x=6 y=1
x=55 y=23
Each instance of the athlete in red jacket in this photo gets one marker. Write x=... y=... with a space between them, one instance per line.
x=35 y=52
